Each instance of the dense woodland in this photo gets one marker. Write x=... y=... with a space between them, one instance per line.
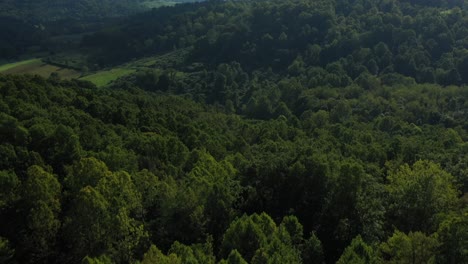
x=280 y=132
x=29 y=26
x=326 y=42
x=46 y=10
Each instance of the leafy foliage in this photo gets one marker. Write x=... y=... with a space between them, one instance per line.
x=414 y=247
x=269 y=132
x=188 y=172
x=419 y=194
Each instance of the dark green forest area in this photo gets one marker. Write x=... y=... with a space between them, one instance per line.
x=326 y=42
x=327 y=131
x=29 y=26
x=47 y=10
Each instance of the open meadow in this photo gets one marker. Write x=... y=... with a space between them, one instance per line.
x=104 y=78
x=38 y=67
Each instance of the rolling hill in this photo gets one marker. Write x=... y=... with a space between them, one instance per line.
x=47 y=10
x=222 y=132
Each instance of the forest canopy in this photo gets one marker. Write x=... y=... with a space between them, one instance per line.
x=245 y=132
x=342 y=40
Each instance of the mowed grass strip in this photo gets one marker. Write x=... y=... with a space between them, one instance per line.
x=157 y=4
x=37 y=67
x=13 y=65
x=104 y=78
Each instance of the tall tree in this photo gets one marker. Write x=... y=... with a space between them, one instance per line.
x=41 y=196
x=418 y=194
x=412 y=248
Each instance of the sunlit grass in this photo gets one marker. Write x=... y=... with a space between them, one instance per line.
x=37 y=67
x=104 y=78
x=9 y=66
x=157 y=3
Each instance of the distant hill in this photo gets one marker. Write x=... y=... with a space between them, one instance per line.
x=26 y=25
x=234 y=131
x=326 y=42
x=49 y=10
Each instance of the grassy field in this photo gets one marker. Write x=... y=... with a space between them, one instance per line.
x=9 y=66
x=167 y=60
x=157 y=3
x=104 y=78
x=164 y=61
x=100 y=78
x=37 y=67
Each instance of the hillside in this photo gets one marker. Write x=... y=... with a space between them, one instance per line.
x=223 y=132
x=31 y=28
x=45 y=10
x=337 y=39
x=108 y=172
x=52 y=10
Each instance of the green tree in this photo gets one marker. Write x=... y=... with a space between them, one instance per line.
x=412 y=248
x=154 y=255
x=9 y=187
x=312 y=250
x=63 y=147
x=118 y=158
x=148 y=186
x=124 y=233
x=99 y=260
x=341 y=111
x=358 y=253
x=247 y=234
x=341 y=223
x=85 y=172
x=453 y=237
x=11 y=130
x=277 y=252
x=6 y=252
x=216 y=188
x=126 y=236
x=418 y=194
x=147 y=79
x=294 y=228
x=41 y=195
x=234 y=258
x=195 y=254
x=120 y=191
x=8 y=157
x=87 y=223
x=297 y=67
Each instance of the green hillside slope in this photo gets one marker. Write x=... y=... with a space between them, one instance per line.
x=46 y=10
x=222 y=132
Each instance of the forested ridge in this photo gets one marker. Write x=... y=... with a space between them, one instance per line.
x=28 y=26
x=339 y=40
x=268 y=132
x=45 y=10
